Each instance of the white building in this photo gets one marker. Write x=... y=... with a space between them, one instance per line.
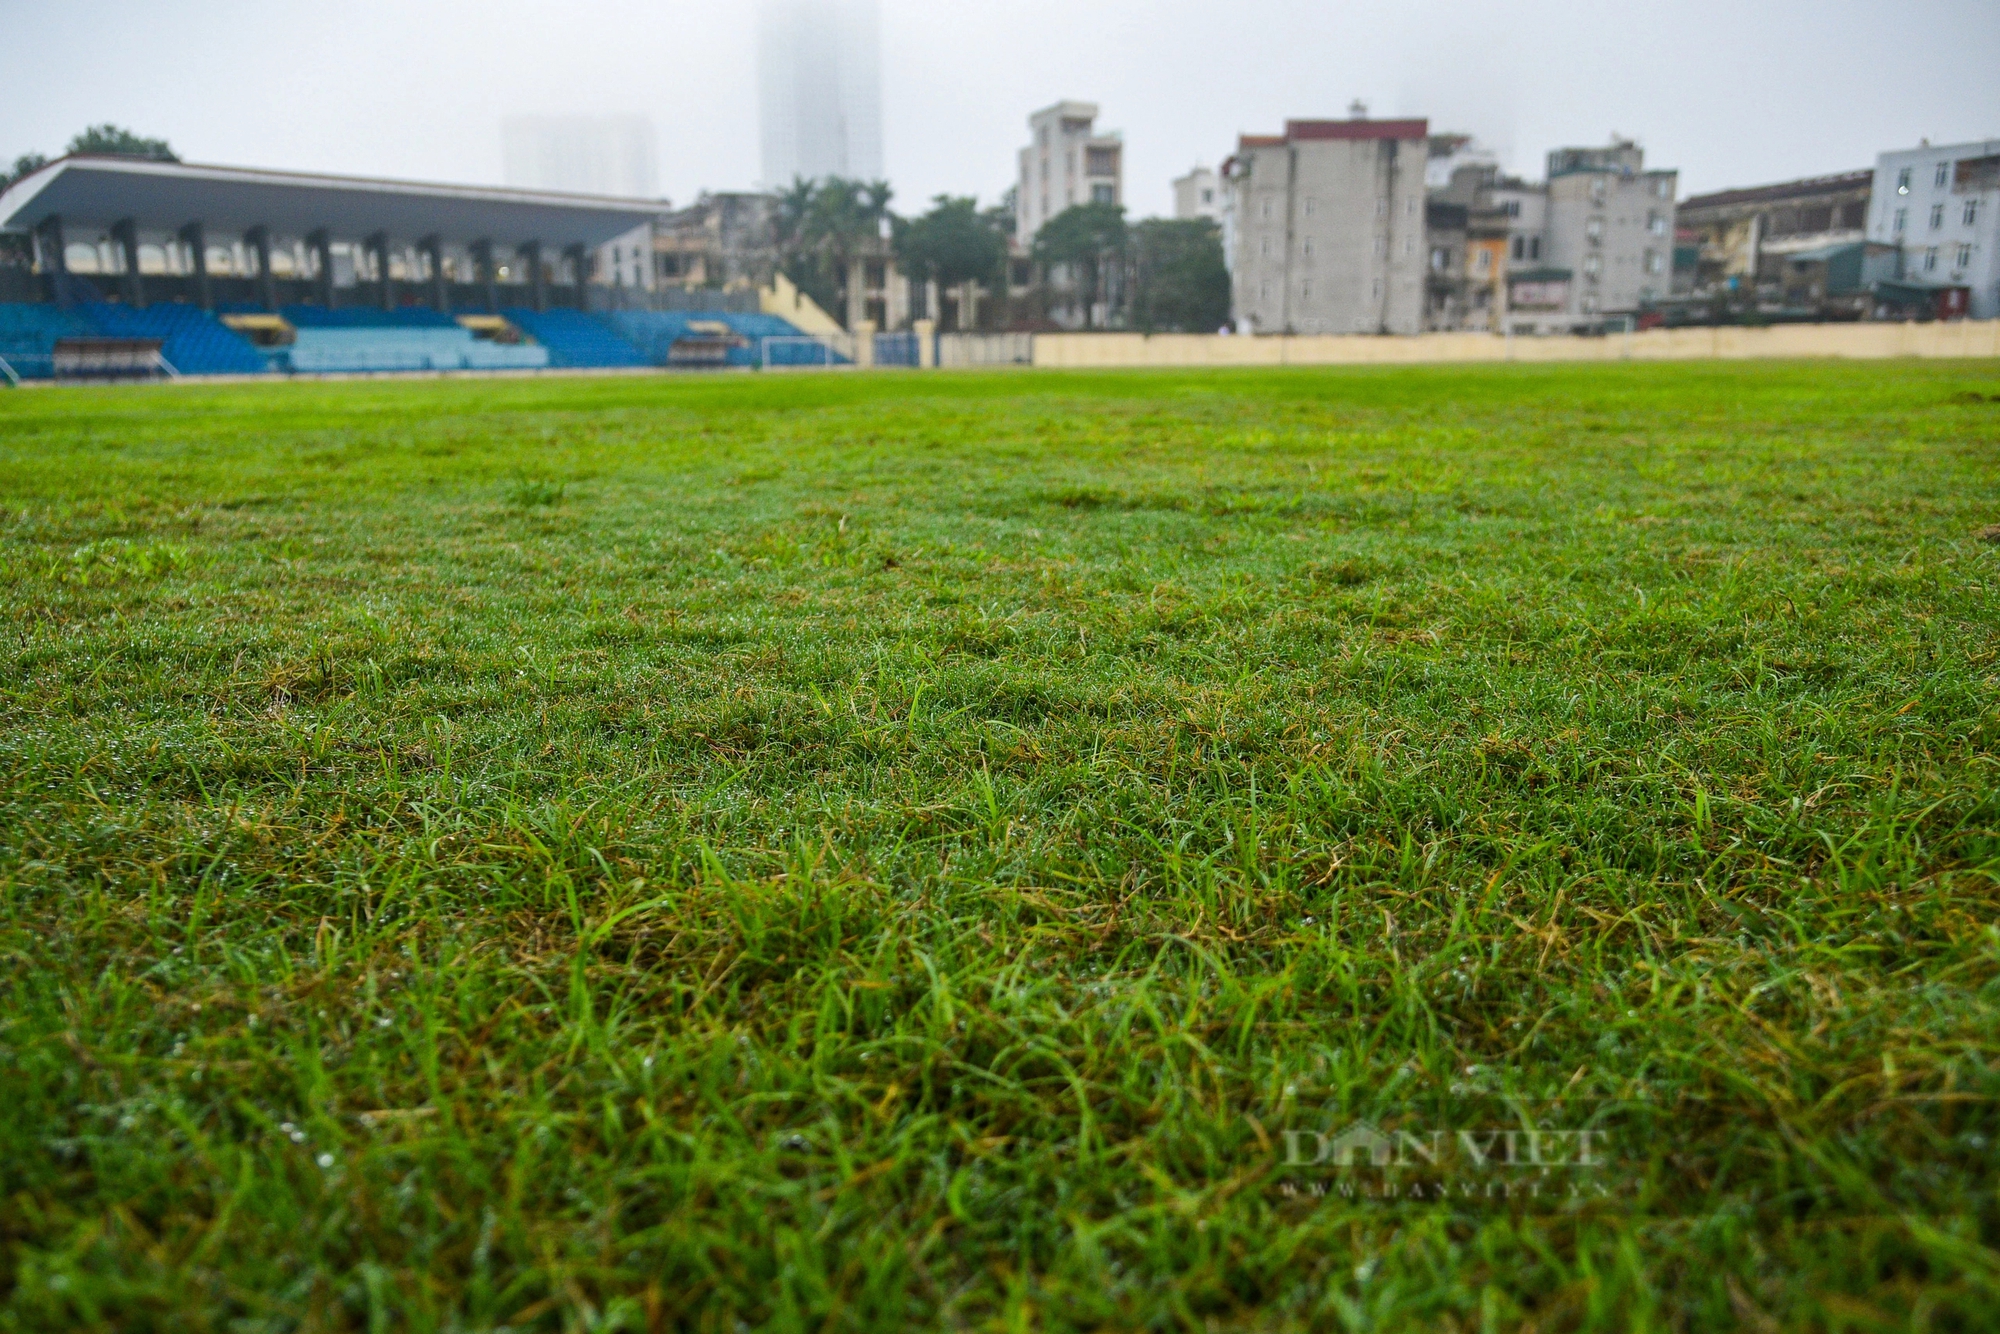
x=819 y=72
x=1067 y=163
x=1329 y=227
x=1610 y=225
x=588 y=155
x=1941 y=204
x=1198 y=195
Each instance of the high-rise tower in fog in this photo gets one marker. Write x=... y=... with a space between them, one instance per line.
x=819 y=71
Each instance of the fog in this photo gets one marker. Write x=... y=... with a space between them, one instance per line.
x=1732 y=94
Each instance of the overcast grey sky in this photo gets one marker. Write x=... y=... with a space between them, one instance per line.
x=1735 y=93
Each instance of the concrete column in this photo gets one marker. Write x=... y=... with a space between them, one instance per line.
x=433 y=248
x=126 y=232
x=259 y=240
x=538 y=278
x=857 y=292
x=378 y=246
x=196 y=240
x=55 y=257
x=864 y=343
x=321 y=243
x=482 y=259
x=926 y=331
x=580 y=256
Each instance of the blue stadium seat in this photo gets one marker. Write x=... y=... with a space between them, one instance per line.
x=28 y=336
x=193 y=341
x=358 y=348
x=574 y=338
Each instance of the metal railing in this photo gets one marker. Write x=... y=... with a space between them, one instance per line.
x=806 y=352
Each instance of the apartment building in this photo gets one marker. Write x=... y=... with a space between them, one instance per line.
x=1067 y=163
x=1198 y=195
x=1502 y=237
x=1329 y=227
x=1749 y=234
x=1611 y=226
x=1941 y=205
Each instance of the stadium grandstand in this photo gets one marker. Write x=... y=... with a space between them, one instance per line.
x=205 y=270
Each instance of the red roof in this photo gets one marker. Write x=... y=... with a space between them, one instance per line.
x=1357 y=129
x=1300 y=130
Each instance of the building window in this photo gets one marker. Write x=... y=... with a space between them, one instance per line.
x=1208 y=196
x=1594 y=229
x=1937 y=216
x=1903 y=181
x=1305 y=291
x=1264 y=290
x=1589 y=304
x=1942 y=175
x=1381 y=208
x=1103 y=194
x=1312 y=205
x=1381 y=246
x=1264 y=247
x=1440 y=259
x=1513 y=208
x=1266 y=210
x=1930 y=260
x=1375 y=288
x=1656 y=224
x=1653 y=261
x=1409 y=245
x=1965 y=257
x=1306 y=247
x=1101 y=161
x=1534 y=247
x=1520 y=247
x=1664 y=187
x=1971 y=211
x=1902 y=219
x=1482 y=261
x=1593 y=265
x=1597 y=190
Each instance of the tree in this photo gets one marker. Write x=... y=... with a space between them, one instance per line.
x=953 y=243
x=1179 y=279
x=821 y=227
x=1088 y=237
x=24 y=164
x=108 y=140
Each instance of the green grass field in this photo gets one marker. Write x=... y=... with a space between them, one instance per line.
x=880 y=853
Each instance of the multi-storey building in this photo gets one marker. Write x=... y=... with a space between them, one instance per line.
x=1501 y=237
x=726 y=240
x=819 y=90
x=1328 y=227
x=1749 y=234
x=1067 y=164
x=1611 y=226
x=1198 y=195
x=1941 y=205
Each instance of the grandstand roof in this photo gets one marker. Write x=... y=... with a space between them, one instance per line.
x=101 y=191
